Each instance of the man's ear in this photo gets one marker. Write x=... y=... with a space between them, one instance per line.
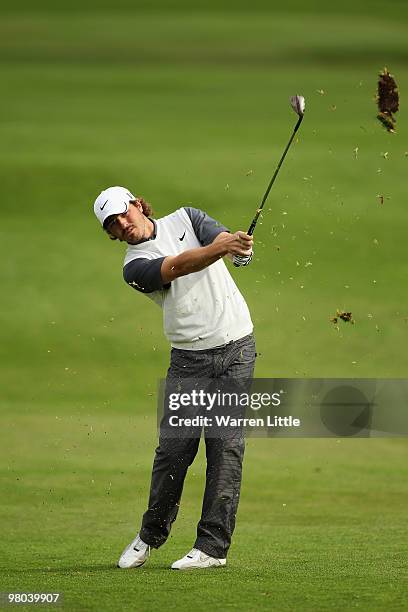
x=137 y=203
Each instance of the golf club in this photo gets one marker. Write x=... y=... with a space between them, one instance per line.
x=298 y=105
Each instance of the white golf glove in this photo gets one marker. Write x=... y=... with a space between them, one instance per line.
x=242 y=260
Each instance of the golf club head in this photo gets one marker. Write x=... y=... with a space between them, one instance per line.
x=298 y=105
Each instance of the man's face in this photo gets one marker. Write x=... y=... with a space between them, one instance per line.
x=129 y=226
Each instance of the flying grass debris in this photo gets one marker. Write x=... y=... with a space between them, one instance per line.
x=387 y=100
x=347 y=317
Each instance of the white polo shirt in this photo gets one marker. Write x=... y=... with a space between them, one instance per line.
x=201 y=310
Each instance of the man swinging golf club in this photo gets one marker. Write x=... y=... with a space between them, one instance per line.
x=177 y=261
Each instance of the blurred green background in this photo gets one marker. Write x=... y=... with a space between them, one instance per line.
x=189 y=105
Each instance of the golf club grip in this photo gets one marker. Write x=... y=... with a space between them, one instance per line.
x=252 y=226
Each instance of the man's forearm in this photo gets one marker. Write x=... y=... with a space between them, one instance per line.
x=192 y=260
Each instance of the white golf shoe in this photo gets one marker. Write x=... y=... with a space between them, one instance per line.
x=196 y=559
x=135 y=554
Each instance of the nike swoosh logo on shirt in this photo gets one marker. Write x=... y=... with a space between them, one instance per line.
x=182 y=238
x=102 y=207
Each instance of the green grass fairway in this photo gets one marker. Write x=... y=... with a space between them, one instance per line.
x=190 y=105
x=321 y=525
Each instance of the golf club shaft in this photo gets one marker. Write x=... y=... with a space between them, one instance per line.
x=258 y=212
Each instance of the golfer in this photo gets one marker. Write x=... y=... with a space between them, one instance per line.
x=177 y=261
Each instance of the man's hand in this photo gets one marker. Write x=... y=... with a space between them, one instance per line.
x=239 y=261
x=239 y=243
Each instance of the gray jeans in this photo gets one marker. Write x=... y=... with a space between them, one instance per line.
x=173 y=457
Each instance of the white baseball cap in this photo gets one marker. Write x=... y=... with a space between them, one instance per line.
x=112 y=201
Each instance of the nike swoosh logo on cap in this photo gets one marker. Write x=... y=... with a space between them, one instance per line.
x=182 y=238
x=102 y=207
